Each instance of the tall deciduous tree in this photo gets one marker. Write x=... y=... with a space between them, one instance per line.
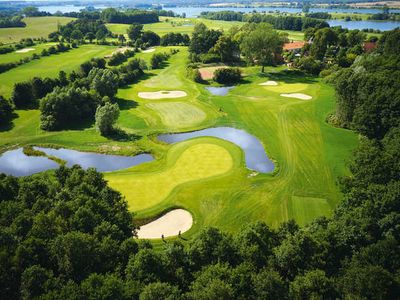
x=106 y=116
x=262 y=45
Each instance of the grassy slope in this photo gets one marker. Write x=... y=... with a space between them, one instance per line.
x=186 y=26
x=50 y=66
x=35 y=28
x=309 y=153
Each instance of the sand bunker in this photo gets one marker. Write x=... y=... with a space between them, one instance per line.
x=149 y=50
x=24 y=50
x=119 y=50
x=170 y=224
x=162 y=94
x=208 y=72
x=269 y=82
x=297 y=96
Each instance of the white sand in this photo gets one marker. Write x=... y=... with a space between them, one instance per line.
x=162 y=94
x=119 y=50
x=297 y=96
x=168 y=225
x=269 y=82
x=24 y=50
x=149 y=50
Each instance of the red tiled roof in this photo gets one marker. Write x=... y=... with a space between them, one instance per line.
x=369 y=46
x=293 y=45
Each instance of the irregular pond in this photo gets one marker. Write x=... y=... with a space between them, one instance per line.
x=171 y=224
x=219 y=90
x=16 y=163
x=102 y=162
x=256 y=158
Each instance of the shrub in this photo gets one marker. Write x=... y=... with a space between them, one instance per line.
x=6 y=111
x=227 y=76
x=208 y=58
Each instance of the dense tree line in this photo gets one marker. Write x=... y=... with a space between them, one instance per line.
x=278 y=22
x=329 y=48
x=369 y=91
x=84 y=28
x=258 y=43
x=111 y=15
x=319 y=15
x=15 y=21
x=78 y=100
x=223 y=15
x=175 y=39
x=142 y=39
x=287 y=22
x=120 y=57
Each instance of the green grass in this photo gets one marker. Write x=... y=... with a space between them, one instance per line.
x=178 y=115
x=50 y=66
x=213 y=183
x=185 y=162
x=36 y=27
x=305 y=209
x=14 y=56
x=179 y=25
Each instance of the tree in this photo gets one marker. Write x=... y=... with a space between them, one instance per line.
x=90 y=36
x=160 y=290
x=77 y=35
x=103 y=81
x=203 y=39
x=262 y=45
x=22 y=95
x=30 y=11
x=135 y=31
x=227 y=75
x=312 y=285
x=323 y=38
x=6 y=111
x=226 y=48
x=121 y=39
x=106 y=116
x=151 y=38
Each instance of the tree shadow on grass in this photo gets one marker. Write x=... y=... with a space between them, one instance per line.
x=10 y=124
x=126 y=104
x=293 y=76
x=120 y=135
x=79 y=125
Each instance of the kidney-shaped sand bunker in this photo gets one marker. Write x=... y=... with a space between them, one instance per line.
x=171 y=224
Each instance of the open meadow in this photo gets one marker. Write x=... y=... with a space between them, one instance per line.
x=36 y=27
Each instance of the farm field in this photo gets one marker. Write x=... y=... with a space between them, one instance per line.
x=50 y=66
x=36 y=27
x=207 y=176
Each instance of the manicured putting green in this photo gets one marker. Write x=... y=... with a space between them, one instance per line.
x=198 y=161
x=306 y=209
x=178 y=114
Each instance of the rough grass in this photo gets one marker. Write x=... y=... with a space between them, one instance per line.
x=305 y=209
x=36 y=27
x=178 y=114
x=50 y=66
x=184 y=164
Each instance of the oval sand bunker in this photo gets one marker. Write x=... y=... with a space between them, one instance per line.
x=24 y=50
x=297 y=96
x=162 y=94
x=170 y=224
x=269 y=82
x=149 y=50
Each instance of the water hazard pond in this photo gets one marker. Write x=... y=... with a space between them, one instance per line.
x=15 y=162
x=256 y=158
